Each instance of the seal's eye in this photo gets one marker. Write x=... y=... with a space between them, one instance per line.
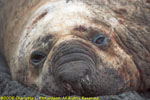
x=37 y=58
x=100 y=40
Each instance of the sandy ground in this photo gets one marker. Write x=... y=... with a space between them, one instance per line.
x=8 y=87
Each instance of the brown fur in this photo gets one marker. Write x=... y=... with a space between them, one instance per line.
x=121 y=65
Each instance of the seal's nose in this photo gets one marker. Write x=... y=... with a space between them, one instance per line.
x=73 y=65
x=74 y=73
x=75 y=77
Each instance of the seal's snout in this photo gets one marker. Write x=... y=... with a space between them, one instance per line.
x=72 y=66
x=73 y=73
x=74 y=78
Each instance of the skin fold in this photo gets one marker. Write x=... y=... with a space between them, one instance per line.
x=77 y=47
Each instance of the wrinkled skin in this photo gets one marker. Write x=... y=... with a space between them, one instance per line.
x=53 y=47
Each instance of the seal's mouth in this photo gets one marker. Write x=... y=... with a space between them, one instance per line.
x=72 y=67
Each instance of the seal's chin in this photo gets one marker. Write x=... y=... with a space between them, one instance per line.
x=72 y=68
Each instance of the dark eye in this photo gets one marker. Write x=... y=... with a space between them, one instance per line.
x=100 y=40
x=37 y=58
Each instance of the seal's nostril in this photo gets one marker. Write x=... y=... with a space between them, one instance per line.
x=69 y=88
x=86 y=80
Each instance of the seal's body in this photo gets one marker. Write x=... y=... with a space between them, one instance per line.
x=73 y=47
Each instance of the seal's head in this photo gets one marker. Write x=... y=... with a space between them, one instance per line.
x=66 y=49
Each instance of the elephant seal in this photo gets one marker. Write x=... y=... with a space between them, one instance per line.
x=86 y=48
